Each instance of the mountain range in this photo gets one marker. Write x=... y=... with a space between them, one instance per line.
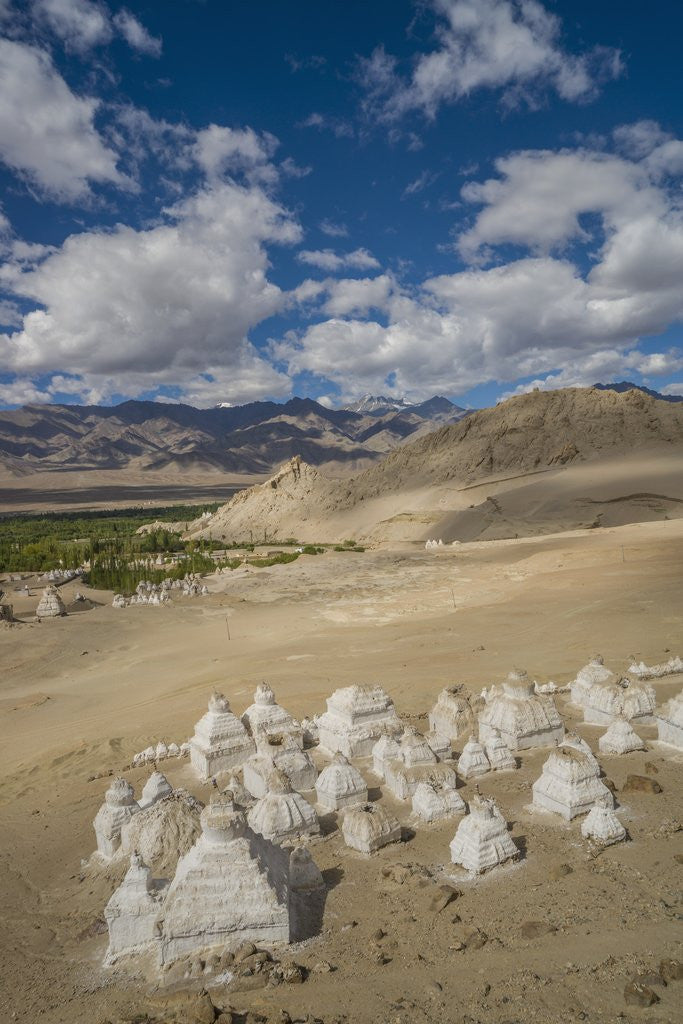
x=249 y=439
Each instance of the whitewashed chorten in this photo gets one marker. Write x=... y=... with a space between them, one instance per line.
x=220 y=741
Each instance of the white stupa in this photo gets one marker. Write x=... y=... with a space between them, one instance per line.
x=453 y=715
x=340 y=784
x=50 y=605
x=132 y=911
x=569 y=784
x=231 y=887
x=385 y=749
x=240 y=794
x=433 y=802
x=499 y=754
x=473 y=760
x=520 y=716
x=163 y=832
x=155 y=789
x=118 y=807
x=592 y=674
x=220 y=741
x=620 y=738
x=266 y=718
x=572 y=739
x=296 y=764
x=441 y=745
x=602 y=826
x=355 y=719
x=604 y=697
x=482 y=840
x=369 y=827
x=415 y=762
x=282 y=815
x=670 y=722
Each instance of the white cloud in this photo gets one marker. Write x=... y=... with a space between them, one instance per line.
x=511 y=45
x=333 y=229
x=673 y=389
x=80 y=24
x=129 y=310
x=331 y=261
x=47 y=133
x=339 y=127
x=136 y=35
x=539 y=315
x=220 y=150
x=357 y=296
x=291 y=169
x=83 y=25
x=22 y=391
x=419 y=184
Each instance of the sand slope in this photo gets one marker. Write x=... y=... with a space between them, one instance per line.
x=549 y=461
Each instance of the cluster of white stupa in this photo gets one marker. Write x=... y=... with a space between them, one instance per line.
x=160 y=752
x=250 y=874
x=62 y=575
x=232 y=885
x=160 y=593
x=429 y=544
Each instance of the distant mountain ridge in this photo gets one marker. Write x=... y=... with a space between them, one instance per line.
x=244 y=439
x=626 y=385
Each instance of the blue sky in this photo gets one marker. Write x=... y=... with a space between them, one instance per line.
x=210 y=201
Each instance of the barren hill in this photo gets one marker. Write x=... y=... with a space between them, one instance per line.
x=590 y=457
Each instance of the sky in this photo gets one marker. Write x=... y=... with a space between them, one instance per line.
x=208 y=201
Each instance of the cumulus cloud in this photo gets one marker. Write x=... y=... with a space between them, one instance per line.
x=327 y=259
x=510 y=45
x=136 y=35
x=219 y=150
x=170 y=304
x=540 y=314
x=47 y=132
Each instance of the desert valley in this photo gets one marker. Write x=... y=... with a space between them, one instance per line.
x=341 y=512
x=547 y=553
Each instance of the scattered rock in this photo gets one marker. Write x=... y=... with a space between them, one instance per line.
x=651 y=768
x=443 y=896
x=245 y=950
x=190 y=1007
x=636 y=994
x=288 y=972
x=471 y=938
x=534 y=929
x=650 y=978
x=558 y=871
x=323 y=967
x=96 y=927
x=678 y=857
x=641 y=784
x=671 y=970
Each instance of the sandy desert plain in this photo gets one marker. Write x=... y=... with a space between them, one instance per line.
x=555 y=936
